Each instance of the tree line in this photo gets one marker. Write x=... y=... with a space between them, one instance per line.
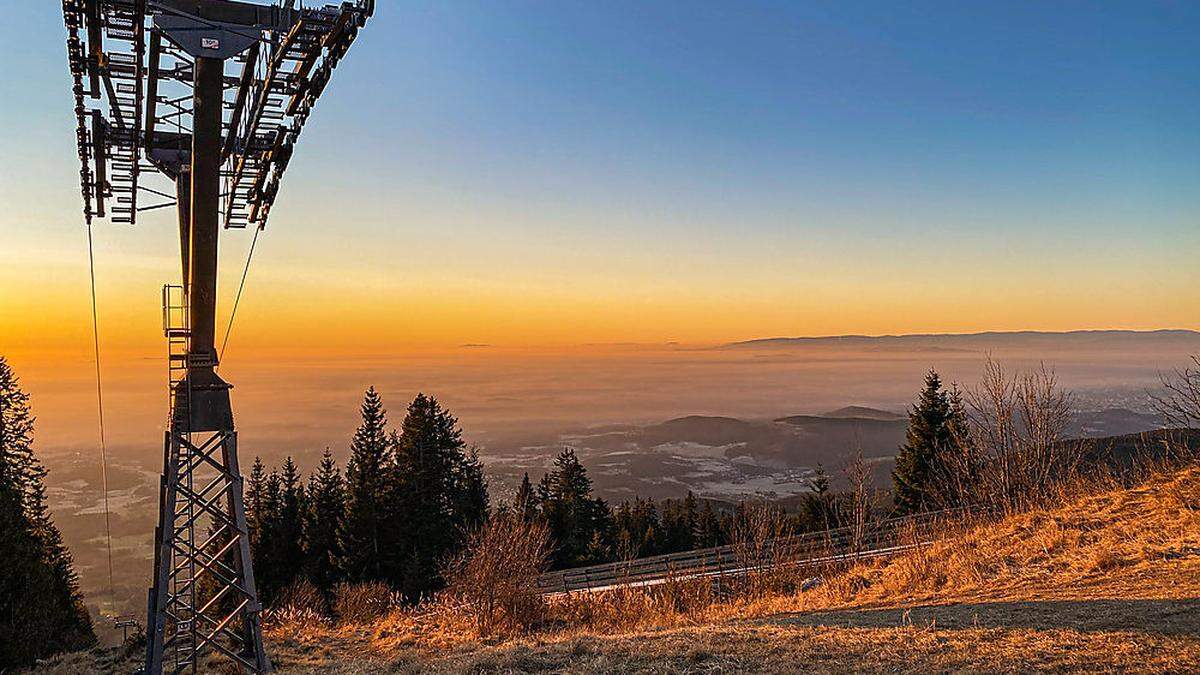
x=41 y=609
x=409 y=498
x=405 y=501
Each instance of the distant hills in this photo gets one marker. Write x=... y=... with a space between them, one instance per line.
x=1174 y=339
x=729 y=459
x=864 y=413
x=805 y=440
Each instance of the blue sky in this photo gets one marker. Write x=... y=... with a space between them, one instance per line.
x=813 y=164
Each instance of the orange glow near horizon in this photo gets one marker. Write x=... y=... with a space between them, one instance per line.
x=344 y=310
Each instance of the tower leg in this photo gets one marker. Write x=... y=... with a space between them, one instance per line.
x=204 y=598
x=156 y=619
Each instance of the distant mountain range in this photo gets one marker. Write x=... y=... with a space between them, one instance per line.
x=727 y=458
x=864 y=413
x=1174 y=339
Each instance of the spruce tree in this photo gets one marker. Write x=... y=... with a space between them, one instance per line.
x=289 y=529
x=679 y=523
x=571 y=513
x=468 y=491
x=709 y=530
x=255 y=488
x=818 y=508
x=650 y=526
x=525 y=503
x=691 y=519
x=323 y=519
x=41 y=608
x=583 y=529
x=360 y=536
x=269 y=573
x=931 y=433
x=438 y=492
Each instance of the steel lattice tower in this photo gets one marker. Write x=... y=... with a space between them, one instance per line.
x=210 y=97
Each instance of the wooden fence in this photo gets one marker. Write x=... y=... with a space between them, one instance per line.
x=881 y=538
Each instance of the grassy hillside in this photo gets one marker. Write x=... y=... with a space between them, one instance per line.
x=1105 y=581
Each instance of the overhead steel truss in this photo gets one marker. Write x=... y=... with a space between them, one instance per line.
x=130 y=59
x=210 y=96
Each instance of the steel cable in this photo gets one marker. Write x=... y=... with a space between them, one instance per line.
x=238 y=298
x=100 y=405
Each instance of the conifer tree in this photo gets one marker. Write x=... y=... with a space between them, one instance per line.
x=269 y=575
x=468 y=491
x=651 y=529
x=323 y=519
x=931 y=432
x=818 y=506
x=709 y=531
x=289 y=529
x=255 y=488
x=691 y=519
x=438 y=492
x=570 y=511
x=525 y=503
x=360 y=536
x=679 y=524
x=41 y=608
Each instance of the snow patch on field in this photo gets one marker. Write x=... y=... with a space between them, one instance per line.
x=690 y=449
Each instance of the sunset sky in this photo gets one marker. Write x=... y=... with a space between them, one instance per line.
x=557 y=173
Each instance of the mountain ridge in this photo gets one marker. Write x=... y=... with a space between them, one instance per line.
x=983 y=336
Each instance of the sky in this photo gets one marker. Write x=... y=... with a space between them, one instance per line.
x=560 y=173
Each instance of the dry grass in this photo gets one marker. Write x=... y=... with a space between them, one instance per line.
x=495 y=577
x=1107 y=581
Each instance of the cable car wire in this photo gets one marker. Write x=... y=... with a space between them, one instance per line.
x=100 y=406
x=238 y=298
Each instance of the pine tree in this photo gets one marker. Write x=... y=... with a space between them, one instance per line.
x=525 y=503
x=367 y=485
x=41 y=608
x=817 y=508
x=468 y=491
x=571 y=513
x=269 y=574
x=289 y=529
x=709 y=531
x=323 y=518
x=255 y=488
x=437 y=493
x=931 y=432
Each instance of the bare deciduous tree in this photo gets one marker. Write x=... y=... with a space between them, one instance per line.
x=862 y=500
x=1179 y=404
x=757 y=538
x=1014 y=452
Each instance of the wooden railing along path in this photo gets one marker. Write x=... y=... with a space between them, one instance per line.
x=881 y=538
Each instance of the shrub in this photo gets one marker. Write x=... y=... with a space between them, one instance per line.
x=363 y=603
x=495 y=576
x=300 y=603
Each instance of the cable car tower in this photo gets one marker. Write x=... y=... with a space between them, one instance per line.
x=206 y=99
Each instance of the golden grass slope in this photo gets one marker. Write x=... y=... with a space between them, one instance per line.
x=1105 y=582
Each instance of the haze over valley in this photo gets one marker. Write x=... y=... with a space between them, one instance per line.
x=728 y=422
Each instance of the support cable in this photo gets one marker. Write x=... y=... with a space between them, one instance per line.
x=112 y=595
x=238 y=298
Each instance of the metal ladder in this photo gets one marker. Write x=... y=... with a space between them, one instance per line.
x=181 y=594
x=175 y=322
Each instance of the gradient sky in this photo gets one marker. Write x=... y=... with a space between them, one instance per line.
x=548 y=173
